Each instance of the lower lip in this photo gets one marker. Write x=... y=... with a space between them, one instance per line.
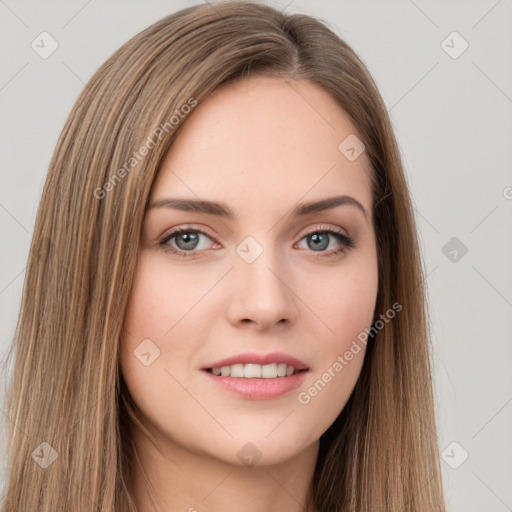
x=259 y=389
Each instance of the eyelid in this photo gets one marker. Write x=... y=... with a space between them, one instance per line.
x=322 y=227
x=184 y=227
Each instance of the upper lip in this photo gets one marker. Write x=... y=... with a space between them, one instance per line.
x=252 y=357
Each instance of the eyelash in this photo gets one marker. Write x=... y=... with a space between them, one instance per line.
x=347 y=242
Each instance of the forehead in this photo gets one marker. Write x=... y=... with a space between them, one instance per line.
x=260 y=138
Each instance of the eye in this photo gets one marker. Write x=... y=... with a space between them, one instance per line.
x=320 y=240
x=184 y=240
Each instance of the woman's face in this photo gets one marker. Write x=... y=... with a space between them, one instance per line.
x=264 y=280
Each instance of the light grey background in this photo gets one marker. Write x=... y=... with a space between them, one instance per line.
x=453 y=119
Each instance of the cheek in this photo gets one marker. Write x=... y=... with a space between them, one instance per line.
x=343 y=301
x=164 y=307
x=160 y=299
x=148 y=318
x=152 y=352
x=352 y=305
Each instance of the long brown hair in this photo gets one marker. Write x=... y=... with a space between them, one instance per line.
x=67 y=391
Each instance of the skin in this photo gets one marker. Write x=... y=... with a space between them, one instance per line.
x=260 y=146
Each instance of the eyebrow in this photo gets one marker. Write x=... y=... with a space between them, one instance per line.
x=222 y=210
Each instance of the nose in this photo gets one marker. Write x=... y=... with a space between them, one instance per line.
x=261 y=292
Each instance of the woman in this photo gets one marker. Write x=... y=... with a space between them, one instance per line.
x=224 y=303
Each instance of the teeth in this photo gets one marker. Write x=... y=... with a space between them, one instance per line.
x=255 y=371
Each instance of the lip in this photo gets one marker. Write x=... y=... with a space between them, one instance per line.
x=258 y=389
x=254 y=358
